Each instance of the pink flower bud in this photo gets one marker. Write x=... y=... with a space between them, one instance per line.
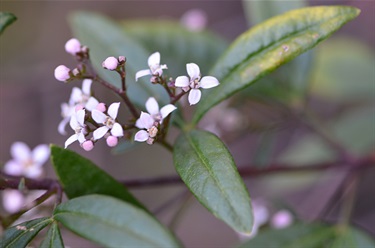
x=281 y=219
x=73 y=46
x=62 y=73
x=110 y=63
x=88 y=145
x=13 y=200
x=78 y=107
x=112 y=141
x=101 y=107
x=121 y=59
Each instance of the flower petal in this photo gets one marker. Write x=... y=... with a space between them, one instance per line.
x=13 y=200
x=20 y=151
x=163 y=67
x=98 y=116
x=152 y=106
x=91 y=104
x=193 y=71
x=75 y=96
x=33 y=171
x=62 y=125
x=13 y=168
x=166 y=110
x=194 y=96
x=86 y=86
x=139 y=124
x=70 y=140
x=81 y=117
x=100 y=132
x=74 y=123
x=81 y=138
x=113 y=109
x=146 y=120
x=141 y=136
x=182 y=81
x=154 y=59
x=117 y=130
x=40 y=154
x=142 y=73
x=209 y=82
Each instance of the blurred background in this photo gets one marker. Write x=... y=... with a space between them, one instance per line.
x=257 y=128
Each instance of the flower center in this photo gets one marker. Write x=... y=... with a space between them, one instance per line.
x=109 y=122
x=194 y=84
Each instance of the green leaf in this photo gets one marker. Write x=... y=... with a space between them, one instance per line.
x=208 y=169
x=5 y=20
x=53 y=238
x=269 y=45
x=113 y=223
x=79 y=176
x=106 y=38
x=176 y=44
x=20 y=235
x=353 y=238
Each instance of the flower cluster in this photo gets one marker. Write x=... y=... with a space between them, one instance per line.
x=91 y=120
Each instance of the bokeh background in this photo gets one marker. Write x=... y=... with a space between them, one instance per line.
x=30 y=99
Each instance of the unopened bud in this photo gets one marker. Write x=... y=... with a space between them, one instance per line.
x=150 y=141
x=281 y=219
x=112 y=141
x=88 y=145
x=110 y=63
x=154 y=79
x=62 y=73
x=153 y=131
x=121 y=59
x=73 y=46
x=76 y=72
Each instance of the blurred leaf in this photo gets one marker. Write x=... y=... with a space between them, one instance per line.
x=79 y=176
x=269 y=45
x=106 y=38
x=176 y=44
x=113 y=223
x=5 y=20
x=309 y=236
x=208 y=169
x=344 y=71
x=53 y=238
x=20 y=235
x=125 y=146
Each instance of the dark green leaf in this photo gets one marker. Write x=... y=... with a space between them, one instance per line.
x=208 y=169
x=106 y=38
x=53 y=238
x=79 y=176
x=5 y=20
x=177 y=45
x=113 y=223
x=353 y=238
x=269 y=45
x=20 y=235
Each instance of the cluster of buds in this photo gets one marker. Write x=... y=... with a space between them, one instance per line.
x=86 y=115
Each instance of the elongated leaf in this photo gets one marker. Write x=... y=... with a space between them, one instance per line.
x=5 y=20
x=176 y=44
x=208 y=169
x=113 y=223
x=269 y=45
x=53 y=238
x=106 y=38
x=79 y=176
x=20 y=235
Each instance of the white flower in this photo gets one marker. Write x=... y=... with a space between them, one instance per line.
x=73 y=46
x=193 y=84
x=62 y=73
x=152 y=107
x=281 y=219
x=77 y=123
x=146 y=122
x=67 y=111
x=155 y=67
x=83 y=96
x=109 y=122
x=26 y=162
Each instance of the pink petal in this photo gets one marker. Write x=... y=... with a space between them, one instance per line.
x=194 y=96
x=13 y=168
x=209 y=82
x=141 y=136
x=40 y=154
x=182 y=81
x=146 y=120
x=100 y=132
x=20 y=151
x=166 y=110
x=142 y=73
x=139 y=124
x=193 y=70
x=13 y=200
x=33 y=171
x=152 y=106
x=113 y=109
